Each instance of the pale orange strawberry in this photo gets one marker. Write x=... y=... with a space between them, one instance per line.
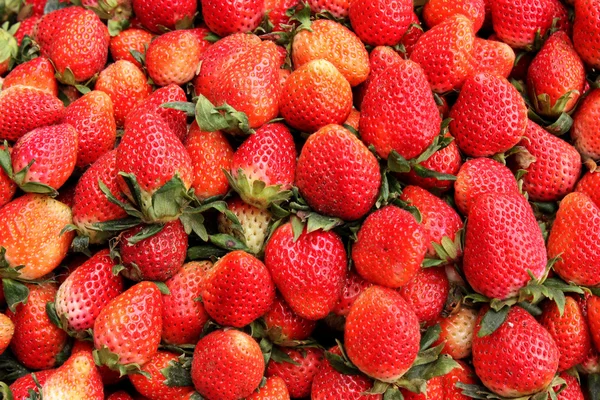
x=127 y=40
x=173 y=58
x=7 y=330
x=493 y=56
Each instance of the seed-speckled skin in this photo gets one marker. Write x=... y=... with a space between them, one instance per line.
x=37 y=73
x=382 y=334
x=593 y=310
x=7 y=330
x=337 y=174
x=127 y=40
x=479 y=176
x=155 y=387
x=381 y=22
x=309 y=272
x=131 y=324
x=457 y=333
x=585 y=132
x=51 y=24
x=227 y=365
x=575 y=236
x=156 y=15
x=436 y=11
x=274 y=389
x=433 y=391
x=315 y=95
x=518 y=359
x=332 y=41
x=569 y=330
x=36 y=341
x=337 y=8
x=573 y=389
x=225 y=17
x=172 y=58
x=237 y=289
x=254 y=222
x=585 y=31
x=26 y=108
x=298 y=378
x=493 y=57
x=353 y=287
x=398 y=111
x=489 y=117
x=390 y=247
x=590 y=185
x=20 y=388
x=427 y=293
x=502 y=243
x=556 y=169
x=87 y=290
x=379 y=59
x=283 y=324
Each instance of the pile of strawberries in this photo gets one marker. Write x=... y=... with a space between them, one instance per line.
x=275 y=199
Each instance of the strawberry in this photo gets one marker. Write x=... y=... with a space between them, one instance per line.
x=254 y=222
x=183 y=315
x=415 y=122
x=37 y=73
x=381 y=23
x=172 y=58
x=390 y=247
x=588 y=184
x=353 y=287
x=274 y=389
x=27 y=108
x=585 y=28
x=436 y=11
x=225 y=17
x=227 y=364
x=574 y=237
x=518 y=359
x=572 y=391
x=276 y=11
x=155 y=387
x=457 y=332
x=309 y=272
x=237 y=289
x=444 y=387
x=21 y=387
x=331 y=41
x=556 y=77
x=503 y=245
x=37 y=342
x=427 y=293
x=45 y=156
x=593 y=317
x=160 y=15
x=434 y=391
x=128 y=40
x=284 y=325
x=316 y=94
x=584 y=133
x=353 y=119
x=337 y=175
x=569 y=330
x=492 y=56
x=379 y=59
x=7 y=330
x=8 y=187
x=27 y=28
x=500 y=119
x=298 y=376
x=120 y=395
x=126 y=86
x=79 y=50
x=129 y=327
x=382 y=313
x=154 y=258
x=445 y=53
x=411 y=37
x=86 y=291
x=51 y=24
x=211 y=153
x=556 y=168
x=337 y=8
x=518 y=23
x=30 y=231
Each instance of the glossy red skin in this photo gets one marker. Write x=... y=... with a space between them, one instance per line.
x=37 y=73
x=464 y=374
x=92 y=116
x=575 y=236
x=379 y=59
x=274 y=389
x=585 y=133
x=20 y=388
x=493 y=56
x=380 y=23
x=437 y=11
x=25 y=109
x=155 y=388
x=427 y=293
x=353 y=287
x=27 y=28
x=447 y=160
x=120 y=395
x=237 y=289
x=172 y=58
x=585 y=30
x=127 y=40
x=36 y=342
x=276 y=10
x=589 y=184
x=499 y=122
x=412 y=36
x=50 y=25
x=502 y=243
x=183 y=316
x=87 y=290
x=390 y=247
x=593 y=310
x=131 y=324
x=382 y=313
x=416 y=120
x=298 y=378
x=225 y=17
x=227 y=365
x=570 y=332
x=156 y=14
x=337 y=174
x=518 y=359
x=309 y=272
x=283 y=324
x=572 y=391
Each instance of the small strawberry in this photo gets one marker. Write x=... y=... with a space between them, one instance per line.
x=593 y=317
x=457 y=332
x=128 y=40
x=21 y=387
x=427 y=293
x=436 y=11
x=154 y=387
x=227 y=364
x=161 y=15
x=37 y=73
x=588 y=184
x=7 y=330
x=381 y=22
x=492 y=56
x=254 y=223
x=120 y=395
x=353 y=287
x=337 y=8
x=225 y=17
x=172 y=58
x=274 y=389
x=284 y=325
x=585 y=133
x=27 y=28
x=276 y=10
x=298 y=376
x=433 y=391
x=573 y=391
x=585 y=30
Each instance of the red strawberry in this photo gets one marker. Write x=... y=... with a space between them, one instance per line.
x=225 y=17
x=584 y=31
x=37 y=342
x=585 y=133
x=130 y=326
x=434 y=391
x=593 y=314
x=353 y=287
x=51 y=25
x=436 y=11
x=415 y=122
x=160 y=15
x=7 y=330
x=492 y=56
x=8 y=187
x=520 y=358
x=211 y=153
x=298 y=377
x=276 y=10
x=309 y=272
x=127 y=40
x=126 y=85
x=381 y=22
x=37 y=73
x=26 y=108
x=379 y=59
x=274 y=389
x=337 y=8
x=457 y=332
x=93 y=119
x=172 y=58
x=498 y=122
x=21 y=387
x=572 y=391
x=575 y=237
x=337 y=175
x=284 y=325
x=120 y=395
x=427 y=293
x=27 y=27
x=444 y=387
x=155 y=386
x=254 y=224
x=183 y=315
x=588 y=184
x=227 y=364
x=382 y=313
x=390 y=247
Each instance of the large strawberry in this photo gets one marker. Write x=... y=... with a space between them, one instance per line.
x=155 y=386
x=283 y=324
x=585 y=133
x=37 y=73
x=585 y=31
x=298 y=375
x=379 y=59
x=337 y=175
x=51 y=24
x=309 y=272
x=130 y=39
x=436 y=11
x=225 y=17
x=160 y=15
x=172 y=58
x=381 y=22
x=493 y=57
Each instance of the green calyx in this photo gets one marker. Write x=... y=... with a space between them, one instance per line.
x=481 y=392
x=105 y=357
x=255 y=192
